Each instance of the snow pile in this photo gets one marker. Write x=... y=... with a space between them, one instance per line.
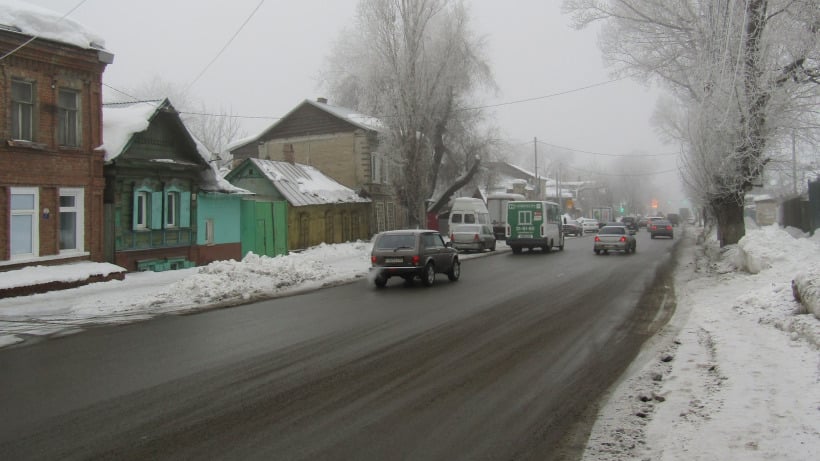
x=764 y=248
x=74 y=272
x=734 y=373
x=259 y=277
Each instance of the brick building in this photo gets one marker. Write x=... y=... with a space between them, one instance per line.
x=51 y=171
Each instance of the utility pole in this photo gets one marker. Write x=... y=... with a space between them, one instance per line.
x=535 y=155
x=794 y=163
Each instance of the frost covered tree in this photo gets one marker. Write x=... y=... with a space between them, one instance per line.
x=416 y=64
x=744 y=72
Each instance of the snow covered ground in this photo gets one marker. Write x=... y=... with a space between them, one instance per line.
x=735 y=374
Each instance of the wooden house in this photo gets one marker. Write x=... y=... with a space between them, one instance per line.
x=165 y=205
x=317 y=208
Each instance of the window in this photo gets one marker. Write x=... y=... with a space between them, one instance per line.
x=24 y=222
x=524 y=217
x=142 y=207
x=209 y=231
x=22 y=108
x=67 y=104
x=71 y=220
x=172 y=209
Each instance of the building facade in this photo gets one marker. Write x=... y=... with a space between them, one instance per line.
x=51 y=170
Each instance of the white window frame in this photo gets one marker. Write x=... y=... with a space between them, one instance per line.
x=209 y=231
x=172 y=209
x=79 y=210
x=35 y=222
x=144 y=208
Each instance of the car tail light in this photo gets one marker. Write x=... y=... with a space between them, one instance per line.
x=416 y=260
x=597 y=239
x=542 y=230
x=623 y=239
x=654 y=227
x=668 y=227
x=452 y=237
x=373 y=259
x=476 y=238
x=507 y=230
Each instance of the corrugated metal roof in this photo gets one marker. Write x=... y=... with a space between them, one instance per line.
x=303 y=185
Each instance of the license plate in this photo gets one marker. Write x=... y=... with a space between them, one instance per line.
x=525 y=236
x=394 y=260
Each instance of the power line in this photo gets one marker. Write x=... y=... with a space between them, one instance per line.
x=34 y=37
x=664 y=154
x=623 y=175
x=242 y=26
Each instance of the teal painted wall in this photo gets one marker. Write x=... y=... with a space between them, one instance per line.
x=224 y=209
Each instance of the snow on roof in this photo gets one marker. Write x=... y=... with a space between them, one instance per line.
x=37 y=21
x=366 y=122
x=305 y=185
x=123 y=120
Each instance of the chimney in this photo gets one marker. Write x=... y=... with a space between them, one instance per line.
x=321 y=100
x=287 y=153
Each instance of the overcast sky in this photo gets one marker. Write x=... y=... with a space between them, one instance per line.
x=273 y=64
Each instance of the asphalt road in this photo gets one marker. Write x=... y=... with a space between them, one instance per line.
x=506 y=363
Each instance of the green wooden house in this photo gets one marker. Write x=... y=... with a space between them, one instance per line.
x=166 y=207
x=308 y=208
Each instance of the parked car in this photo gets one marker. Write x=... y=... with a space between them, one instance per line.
x=473 y=237
x=673 y=218
x=573 y=227
x=658 y=228
x=412 y=253
x=589 y=224
x=614 y=238
x=631 y=224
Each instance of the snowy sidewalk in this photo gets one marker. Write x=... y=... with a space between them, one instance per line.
x=734 y=375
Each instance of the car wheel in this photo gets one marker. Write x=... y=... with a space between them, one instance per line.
x=561 y=246
x=481 y=247
x=429 y=276
x=455 y=271
x=597 y=252
x=516 y=250
x=380 y=280
x=492 y=248
x=634 y=248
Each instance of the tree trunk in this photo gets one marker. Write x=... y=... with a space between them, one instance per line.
x=729 y=214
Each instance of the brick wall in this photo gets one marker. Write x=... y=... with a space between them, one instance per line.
x=43 y=163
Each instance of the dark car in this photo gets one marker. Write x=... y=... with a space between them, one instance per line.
x=660 y=228
x=614 y=237
x=631 y=224
x=413 y=253
x=573 y=227
x=473 y=237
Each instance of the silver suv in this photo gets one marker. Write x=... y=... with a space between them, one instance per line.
x=413 y=253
